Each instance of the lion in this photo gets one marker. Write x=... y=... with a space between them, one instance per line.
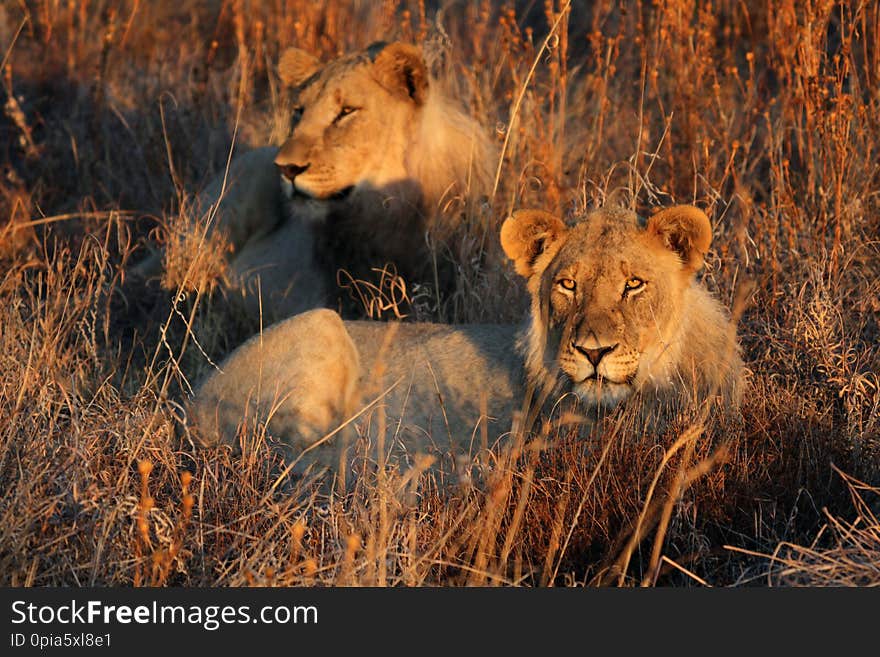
x=377 y=157
x=617 y=316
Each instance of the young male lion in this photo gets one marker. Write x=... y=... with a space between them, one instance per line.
x=616 y=314
x=375 y=150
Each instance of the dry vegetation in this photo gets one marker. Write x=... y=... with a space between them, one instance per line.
x=766 y=114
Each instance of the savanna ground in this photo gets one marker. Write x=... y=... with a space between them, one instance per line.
x=766 y=114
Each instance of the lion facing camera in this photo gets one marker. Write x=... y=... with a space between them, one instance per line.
x=617 y=316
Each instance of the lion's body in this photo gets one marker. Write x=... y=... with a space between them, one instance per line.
x=359 y=190
x=274 y=265
x=674 y=346
x=429 y=378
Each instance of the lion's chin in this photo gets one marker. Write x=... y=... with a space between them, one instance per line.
x=304 y=192
x=601 y=391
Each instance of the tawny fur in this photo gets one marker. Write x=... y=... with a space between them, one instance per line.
x=376 y=180
x=438 y=383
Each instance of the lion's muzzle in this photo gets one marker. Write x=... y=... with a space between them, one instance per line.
x=596 y=361
x=594 y=355
x=291 y=171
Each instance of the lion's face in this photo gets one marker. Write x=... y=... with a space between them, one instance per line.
x=351 y=121
x=607 y=295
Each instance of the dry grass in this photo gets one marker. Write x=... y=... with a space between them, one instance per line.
x=767 y=116
x=843 y=552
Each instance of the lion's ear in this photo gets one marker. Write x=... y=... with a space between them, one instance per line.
x=295 y=66
x=685 y=230
x=526 y=234
x=400 y=68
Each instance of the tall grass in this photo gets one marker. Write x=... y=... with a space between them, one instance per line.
x=767 y=115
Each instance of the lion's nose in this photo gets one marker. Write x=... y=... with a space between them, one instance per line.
x=291 y=171
x=595 y=355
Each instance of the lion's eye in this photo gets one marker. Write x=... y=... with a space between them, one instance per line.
x=345 y=111
x=297 y=115
x=633 y=284
x=567 y=284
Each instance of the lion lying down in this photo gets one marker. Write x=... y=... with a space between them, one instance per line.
x=376 y=156
x=616 y=314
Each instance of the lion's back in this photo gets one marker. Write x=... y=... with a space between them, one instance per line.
x=300 y=375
